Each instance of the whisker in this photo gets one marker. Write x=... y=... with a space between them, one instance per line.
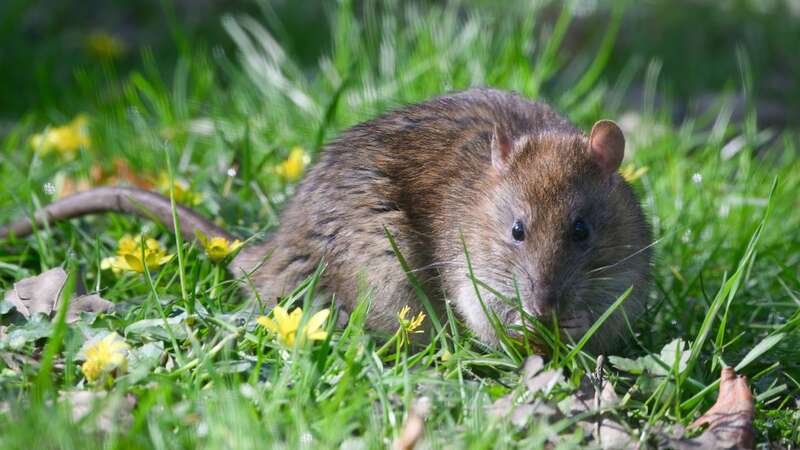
x=625 y=258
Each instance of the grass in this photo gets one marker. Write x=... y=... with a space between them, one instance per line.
x=203 y=375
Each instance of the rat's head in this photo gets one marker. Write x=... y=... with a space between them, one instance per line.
x=561 y=228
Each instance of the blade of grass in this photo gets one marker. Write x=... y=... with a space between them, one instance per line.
x=44 y=378
x=597 y=323
x=414 y=282
x=727 y=291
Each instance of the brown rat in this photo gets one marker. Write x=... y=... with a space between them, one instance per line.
x=540 y=206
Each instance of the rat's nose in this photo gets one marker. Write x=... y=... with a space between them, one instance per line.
x=546 y=301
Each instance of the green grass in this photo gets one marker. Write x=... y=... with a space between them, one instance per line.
x=725 y=274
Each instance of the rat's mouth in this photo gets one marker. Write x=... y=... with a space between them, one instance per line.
x=573 y=326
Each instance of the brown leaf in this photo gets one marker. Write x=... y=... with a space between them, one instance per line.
x=730 y=420
x=38 y=295
x=120 y=173
x=597 y=394
x=92 y=303
x=414 y=426
x=536 y=381
x=544 y=382
x=41 y=294
x=124 y=173
x=581 y=401
x=113 y=412
x=610 y=433
x=502 y=406
x=533 y=365
x=523 y=413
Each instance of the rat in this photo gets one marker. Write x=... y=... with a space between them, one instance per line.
x=482 y=178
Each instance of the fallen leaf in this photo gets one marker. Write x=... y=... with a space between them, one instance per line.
x=112 y=413
x=522 y=414
x=502 y=406
x=414 y=426
x=119 y=174
x=536 y=381
x=580 y=401
x=610 y=433
x=91 y=303
x=596 y=395
x=41 y=294
x=38 y=294
x=544 y=382
x=730 y=420
x=533 y=365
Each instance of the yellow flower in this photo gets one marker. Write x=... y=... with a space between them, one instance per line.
x=410 y=325
x=631 y=173
x=285 y=325
x=293 y=167
x=103 y=45
x=407 y=326
x=64 y=140
x=180 y=189
x=129 y=255
x=105 y=356
x=217 y=247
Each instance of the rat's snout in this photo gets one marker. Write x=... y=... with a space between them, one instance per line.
x=545 y=300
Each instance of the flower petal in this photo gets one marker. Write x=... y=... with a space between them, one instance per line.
x=318 y=335
x=132 y=263
x=293 y=323
x=317 y=320
x=267 y=323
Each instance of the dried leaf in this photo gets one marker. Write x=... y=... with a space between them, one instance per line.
x=120 y=173
x=544 y=382
x=610 y=433
x=522 y=413
x=607 y=432
x=579 y=402
x=730 y=420
x=41 y=294
x=536 y=381
x=414 y=426
x=113 y=413
x=38 y=294
x=533 y=365
x=91 y=303
x=502 y=406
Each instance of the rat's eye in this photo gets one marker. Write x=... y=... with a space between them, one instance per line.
x=580 y=231
x=518 y=231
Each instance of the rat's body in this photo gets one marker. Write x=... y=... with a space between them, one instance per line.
x=487 y=164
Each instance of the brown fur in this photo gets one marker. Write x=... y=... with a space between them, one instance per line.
x=428 y=173
x=425 y=172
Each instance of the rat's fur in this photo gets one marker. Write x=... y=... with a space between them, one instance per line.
x=425 y=172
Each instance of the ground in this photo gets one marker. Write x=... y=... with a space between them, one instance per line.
x=234 y=116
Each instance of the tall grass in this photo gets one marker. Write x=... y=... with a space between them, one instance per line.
x=725 y=279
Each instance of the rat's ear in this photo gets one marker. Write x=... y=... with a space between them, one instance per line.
x=502 y=148
x=607 y=146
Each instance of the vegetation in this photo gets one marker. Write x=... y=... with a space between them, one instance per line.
x=228 y=129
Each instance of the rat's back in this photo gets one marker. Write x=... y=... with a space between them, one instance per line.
x=394 y=173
